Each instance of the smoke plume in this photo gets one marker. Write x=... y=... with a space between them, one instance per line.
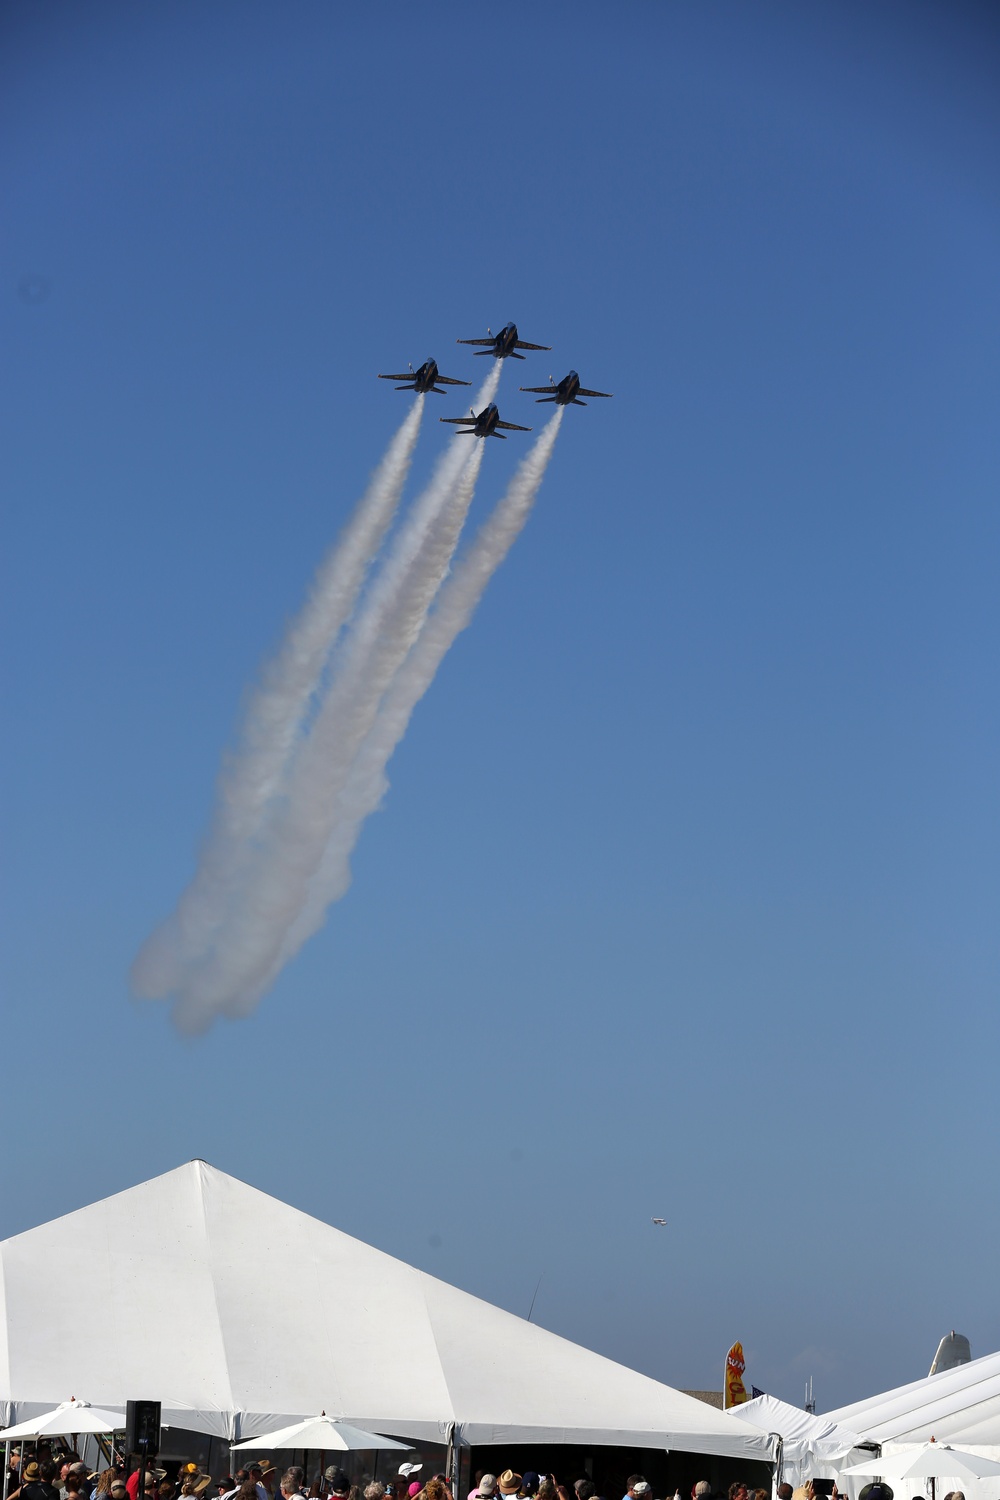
x=273 y=725
x=456 y=604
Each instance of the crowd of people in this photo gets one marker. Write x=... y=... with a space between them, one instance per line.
x=49 y=1473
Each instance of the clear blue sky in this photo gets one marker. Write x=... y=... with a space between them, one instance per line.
x=685 y=897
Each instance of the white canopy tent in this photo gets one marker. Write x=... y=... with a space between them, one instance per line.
x=321 y=1434
x=68 y=1417
x=960 y=1406
x=241 y=1314
x=811 y=1447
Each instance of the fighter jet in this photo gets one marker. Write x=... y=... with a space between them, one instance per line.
x=566 y=393
x=502 y=344
x=425 y=379
x=485 y=424
x=660 y=1221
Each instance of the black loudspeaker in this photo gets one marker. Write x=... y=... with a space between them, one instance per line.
x=142 y=1428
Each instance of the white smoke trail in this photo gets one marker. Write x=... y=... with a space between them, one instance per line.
x=273 y=724
x=245 y=950
x=455 y=606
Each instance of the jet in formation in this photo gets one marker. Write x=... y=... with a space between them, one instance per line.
x=503 y=344
x=425 y=379
x=566 y=393
x=484 y=424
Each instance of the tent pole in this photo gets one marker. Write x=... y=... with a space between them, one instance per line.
x=6 y=1469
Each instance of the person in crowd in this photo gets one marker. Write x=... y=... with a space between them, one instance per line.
x=761 y=1495
x=414 y=1489
x=255 y=1473
x=509 y=1483
x=784 y=1491
x=738 y=1491
x=224 y=1486
x=529 y=1484
x=630 y=1484
x=248 y=1489
x=546 y=1488
x=338 y=1481
x=584 y=1490
x=290 y=1489
x=436 y=1489
x=374 y=1491
x=117 y=1490
x=36 y=1482
x=486 y=1487
x=72 y=1487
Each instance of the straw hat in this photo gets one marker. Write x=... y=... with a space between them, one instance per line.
x=510 y=1482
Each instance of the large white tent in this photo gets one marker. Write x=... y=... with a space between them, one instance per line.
x=812 y=1447
x=240 y=1313
x=960 y=1406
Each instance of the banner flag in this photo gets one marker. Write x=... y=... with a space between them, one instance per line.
x=734 y=1391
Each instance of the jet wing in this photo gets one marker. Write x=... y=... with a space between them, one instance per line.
x=513 y=427
x=447 y=380
x=467 y=421
x=485 y=342
x=538 y=390
x=522 y=345
x=583 y=392
x=407 y=376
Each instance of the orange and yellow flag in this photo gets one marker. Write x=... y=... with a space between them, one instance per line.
x=734 y=1391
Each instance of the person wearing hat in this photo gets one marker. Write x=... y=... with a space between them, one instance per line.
x=338 y=1481
x=485 y=1489
x=36 y=1482
x=509 y=1483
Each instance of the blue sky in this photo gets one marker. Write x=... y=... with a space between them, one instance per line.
x=684 y=898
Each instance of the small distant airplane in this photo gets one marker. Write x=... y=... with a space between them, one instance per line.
x=659 y=1221
x=502 y=344
x=425 y=379
x=485 y=424
x=566 y=393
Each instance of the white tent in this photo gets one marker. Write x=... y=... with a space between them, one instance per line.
x=960 y=1406
x=241 y=1314
x=811 y=1447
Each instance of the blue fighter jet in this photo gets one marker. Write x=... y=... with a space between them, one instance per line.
x=425 y=379
x=485 y=424
x=503 y=344
x=566 y=393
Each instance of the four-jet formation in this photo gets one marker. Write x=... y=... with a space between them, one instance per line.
x=566 y=393
x=485 y=423
x=425 y=379
x=503 y=344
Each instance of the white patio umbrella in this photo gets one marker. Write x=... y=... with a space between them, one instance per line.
x=928 y=1461
x=69 y=1417
x=324 y=1433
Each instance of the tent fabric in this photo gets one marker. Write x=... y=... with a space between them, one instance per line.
x=960 y=1406
x=812 y=1447
x=239 y=1314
